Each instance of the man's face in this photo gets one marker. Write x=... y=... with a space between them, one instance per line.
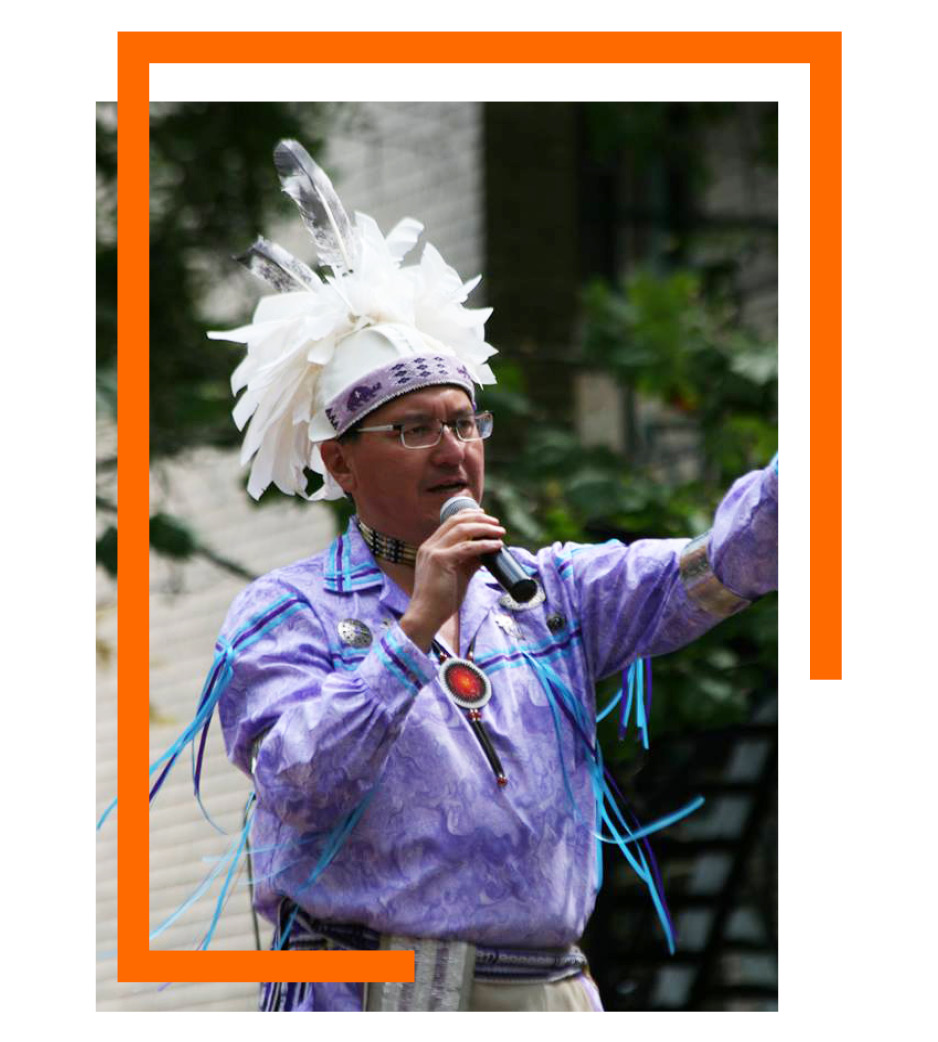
x=397 y=490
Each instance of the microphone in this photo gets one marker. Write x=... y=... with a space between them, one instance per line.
x=510 y=575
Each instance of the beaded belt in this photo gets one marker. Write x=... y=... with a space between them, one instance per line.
x=443 y=970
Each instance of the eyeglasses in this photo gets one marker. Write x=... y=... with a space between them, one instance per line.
x=424 y=434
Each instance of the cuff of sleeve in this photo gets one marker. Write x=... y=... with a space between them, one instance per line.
x=396 y=661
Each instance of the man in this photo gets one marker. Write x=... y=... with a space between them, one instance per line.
x=422 y=744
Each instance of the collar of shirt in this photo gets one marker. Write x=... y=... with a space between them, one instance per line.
x=350 y=568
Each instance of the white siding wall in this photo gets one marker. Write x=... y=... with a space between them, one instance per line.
x=390 y=161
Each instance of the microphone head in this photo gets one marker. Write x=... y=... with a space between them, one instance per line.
x=456 y=503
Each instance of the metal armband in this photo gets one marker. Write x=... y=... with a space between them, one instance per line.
x=702 y=586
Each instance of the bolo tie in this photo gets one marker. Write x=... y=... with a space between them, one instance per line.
x=469 y=687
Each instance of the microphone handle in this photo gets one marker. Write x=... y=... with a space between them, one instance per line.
x=510 y=575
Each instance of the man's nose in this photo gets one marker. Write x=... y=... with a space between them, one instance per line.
x=449 y=447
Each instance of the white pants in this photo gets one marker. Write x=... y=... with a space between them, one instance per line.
x=573 y=995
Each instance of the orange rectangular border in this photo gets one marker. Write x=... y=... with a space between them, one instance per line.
x=821 y=50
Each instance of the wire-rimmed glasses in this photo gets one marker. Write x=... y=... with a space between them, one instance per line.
x=425 y=434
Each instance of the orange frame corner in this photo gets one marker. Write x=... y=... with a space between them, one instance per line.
x=136 y=51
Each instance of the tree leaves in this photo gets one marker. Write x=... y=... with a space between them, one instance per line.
x=106 y=550
x=171 y=537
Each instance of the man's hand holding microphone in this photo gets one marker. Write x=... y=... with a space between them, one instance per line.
x=466 y=539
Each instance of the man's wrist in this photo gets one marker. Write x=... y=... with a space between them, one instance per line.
x=419 y=630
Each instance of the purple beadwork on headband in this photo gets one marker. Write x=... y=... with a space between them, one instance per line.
x=391 y=381
x=361 y=395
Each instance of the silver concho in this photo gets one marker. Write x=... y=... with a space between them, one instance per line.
x=354 y=633
x=507 y=601
x=508 y=624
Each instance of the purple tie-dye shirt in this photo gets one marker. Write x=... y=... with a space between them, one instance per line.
x=440 y=850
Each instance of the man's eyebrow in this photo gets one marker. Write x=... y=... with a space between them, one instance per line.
x=423 y=417
x=410 y=417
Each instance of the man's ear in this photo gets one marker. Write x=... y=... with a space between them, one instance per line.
x=336 y=459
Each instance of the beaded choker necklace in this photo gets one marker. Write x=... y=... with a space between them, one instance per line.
x=387 y=547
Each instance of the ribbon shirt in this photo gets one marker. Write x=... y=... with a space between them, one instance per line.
x=375 y=802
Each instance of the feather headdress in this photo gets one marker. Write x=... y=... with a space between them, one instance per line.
x=325 y=351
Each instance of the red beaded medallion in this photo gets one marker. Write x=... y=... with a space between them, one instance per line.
x=465 y=683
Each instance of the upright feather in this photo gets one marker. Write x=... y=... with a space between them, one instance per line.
x=277 y=266
x=322 y=211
